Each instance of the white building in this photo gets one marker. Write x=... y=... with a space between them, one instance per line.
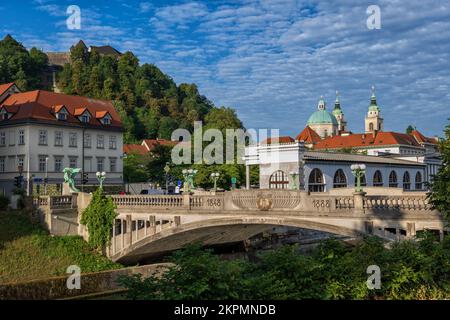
x=324 y=151
x=43 y=132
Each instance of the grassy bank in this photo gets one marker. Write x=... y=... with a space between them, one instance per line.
x=28 y=252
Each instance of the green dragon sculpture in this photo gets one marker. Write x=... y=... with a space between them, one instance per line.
x=69 y=177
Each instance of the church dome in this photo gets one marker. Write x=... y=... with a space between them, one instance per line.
x=322 y=117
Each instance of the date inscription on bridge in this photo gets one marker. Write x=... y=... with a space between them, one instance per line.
x=214 y=202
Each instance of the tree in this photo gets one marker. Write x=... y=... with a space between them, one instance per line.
x=159 y=156
x=99 y=218
x=134 y=168
x=440 y=183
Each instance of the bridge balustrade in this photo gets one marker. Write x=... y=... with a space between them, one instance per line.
x=397 y=203
x=148 y=200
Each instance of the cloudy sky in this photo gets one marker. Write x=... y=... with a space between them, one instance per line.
x=272 y=59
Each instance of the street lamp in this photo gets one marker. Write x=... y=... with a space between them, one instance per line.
x=294 y=176
x=46 y=175
x=101 y=177
x=215 y=177
x=166 y=170
x=358 y=170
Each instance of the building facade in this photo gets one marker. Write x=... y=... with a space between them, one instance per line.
x=320 y=157
x=42 y=132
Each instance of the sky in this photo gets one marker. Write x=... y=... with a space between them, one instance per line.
x=271 y=60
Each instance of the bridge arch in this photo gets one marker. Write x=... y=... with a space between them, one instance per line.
x=220 y=230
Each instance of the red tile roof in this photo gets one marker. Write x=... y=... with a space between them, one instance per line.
x=100 y=114
x=422 y=139
x=5 y=87
x=283 y=139
x=135 y=149
x=367 y=140
x=39 y=105
x=151 y=143
x=308 y=135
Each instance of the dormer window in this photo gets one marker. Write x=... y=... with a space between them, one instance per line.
x=60 y=112
x=4 y=115
x=104 y=117
x=61 y=116
x=84 y=118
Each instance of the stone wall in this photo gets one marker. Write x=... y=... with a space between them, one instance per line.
x=56 y=287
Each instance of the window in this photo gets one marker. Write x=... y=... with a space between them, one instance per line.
x=61 y=116
x=112 y=142
x=363 y=181
x=278 y=180
x=112 y=164
x=100 y=164
x=20 y=161
x=58 y=164
x=3 y=139
x=58 y=138
x=85 y=118
x=316 y=182
x=406 y=181
x=419 y=183
x=72 y=162
x=393 y=180
x=42 y=137
x=377 y=179
x=371 y=126
x=87 y=140
x=42 y=163
x=21 y=137
x=106 y=121
x=72 y=139
x=340 y=180
x=100 y=141
x=2 y=164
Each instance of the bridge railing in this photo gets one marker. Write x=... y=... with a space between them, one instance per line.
x=397 y=203
x=160 y=201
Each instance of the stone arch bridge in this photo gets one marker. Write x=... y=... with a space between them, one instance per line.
x=151 y=224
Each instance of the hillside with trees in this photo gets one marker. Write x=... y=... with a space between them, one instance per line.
x=22 y=66
x=149 y=102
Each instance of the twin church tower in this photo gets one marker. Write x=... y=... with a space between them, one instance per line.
x=327 y=124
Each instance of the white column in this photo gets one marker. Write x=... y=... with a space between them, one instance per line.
x=247 y=177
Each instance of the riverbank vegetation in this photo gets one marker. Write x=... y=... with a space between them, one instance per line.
x=27 y=252
x=409 y=270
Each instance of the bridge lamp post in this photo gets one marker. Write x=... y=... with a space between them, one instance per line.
x=294 y=176
x=215 y=177
x=101 y=177
x=166 y=170
x=358 y=170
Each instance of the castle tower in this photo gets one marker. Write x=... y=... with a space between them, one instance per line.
x=339 y=115
x=373 y=121
x=323 y=122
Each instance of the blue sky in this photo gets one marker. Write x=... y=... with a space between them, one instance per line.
x=272 y=60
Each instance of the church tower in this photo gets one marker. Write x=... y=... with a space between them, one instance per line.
x=324 y=123
x=374 y=122
x=339 y=115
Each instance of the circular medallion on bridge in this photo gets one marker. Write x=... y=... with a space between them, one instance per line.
x=264 y=202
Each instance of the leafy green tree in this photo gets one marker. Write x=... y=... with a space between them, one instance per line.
x=134 y=168
x=99 y=217
x=440 y=183
x=159 y=156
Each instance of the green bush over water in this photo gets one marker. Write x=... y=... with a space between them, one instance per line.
x=409 y=270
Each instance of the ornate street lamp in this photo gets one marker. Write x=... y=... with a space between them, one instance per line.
x=358 y=170
x=215 y=177
x=294 y=176
x=101 y=177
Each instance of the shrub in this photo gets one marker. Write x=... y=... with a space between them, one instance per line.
x=4 y=201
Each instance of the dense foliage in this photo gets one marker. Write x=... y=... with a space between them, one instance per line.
x=99 y=218
x=4 y=201
x=21 y=66
x=149 y=102
x=440 y=183
x=409 y=270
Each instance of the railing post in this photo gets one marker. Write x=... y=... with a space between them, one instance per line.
x=358 y=198
x=187 y=201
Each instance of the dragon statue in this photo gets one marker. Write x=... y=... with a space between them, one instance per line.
x=69 y=177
